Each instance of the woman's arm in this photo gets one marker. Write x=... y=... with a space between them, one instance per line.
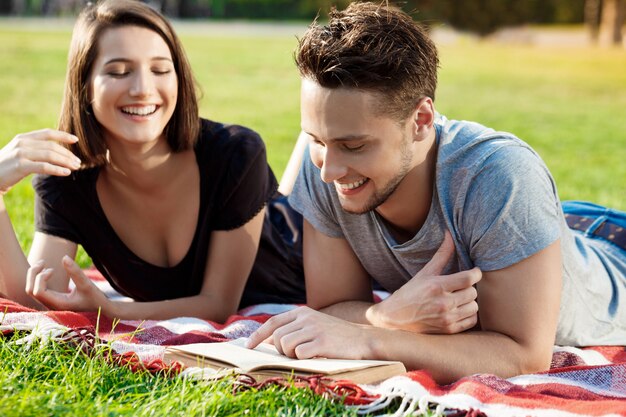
x=230 y=258
x=29 y=153
x=13 y=264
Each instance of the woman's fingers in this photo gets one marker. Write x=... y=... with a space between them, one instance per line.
x=37 y=285
x=85 y=296
x=41 y=284
x=35 y=150
x=35 y=269
x=76 y=274
x=38 y=152
x=49 y=134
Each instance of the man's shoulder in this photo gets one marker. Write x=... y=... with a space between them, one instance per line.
x=459 y=134
x=464 y=144
x=451 y=131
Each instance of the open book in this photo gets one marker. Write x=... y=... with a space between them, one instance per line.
x=264 y=362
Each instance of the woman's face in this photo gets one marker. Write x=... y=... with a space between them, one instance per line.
x=134 y=86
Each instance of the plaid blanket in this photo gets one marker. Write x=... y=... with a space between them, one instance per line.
x=582 y=382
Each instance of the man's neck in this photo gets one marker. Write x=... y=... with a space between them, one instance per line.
x=406 y=210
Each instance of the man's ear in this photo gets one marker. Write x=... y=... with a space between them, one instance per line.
x=423 y=118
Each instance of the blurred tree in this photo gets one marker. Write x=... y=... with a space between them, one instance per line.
x=593 y=10
x=218 y=8
x=612 y=21
x=185 y=8
x=312 y=8
x=486 y=16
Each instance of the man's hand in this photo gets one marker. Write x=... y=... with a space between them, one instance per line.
x=86 y=296
x=305 y=333
x=431 y=302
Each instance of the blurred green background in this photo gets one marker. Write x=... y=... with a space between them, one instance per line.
x=549 y=86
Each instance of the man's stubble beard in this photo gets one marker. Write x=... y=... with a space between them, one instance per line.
x=380 y=196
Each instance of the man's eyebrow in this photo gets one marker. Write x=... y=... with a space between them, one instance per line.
x=126 y=60
x=346 y=138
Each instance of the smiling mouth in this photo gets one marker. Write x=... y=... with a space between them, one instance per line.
x=140 y=110
x=351 y=185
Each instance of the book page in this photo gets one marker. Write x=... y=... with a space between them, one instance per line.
x=265 y=356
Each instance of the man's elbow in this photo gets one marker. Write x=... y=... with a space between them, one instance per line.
x=534 y=359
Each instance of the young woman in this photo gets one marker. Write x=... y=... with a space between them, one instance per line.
x=171 y=208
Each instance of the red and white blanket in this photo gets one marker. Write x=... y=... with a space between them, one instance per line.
x=582 y=382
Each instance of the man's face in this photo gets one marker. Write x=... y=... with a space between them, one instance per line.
x=364 y=154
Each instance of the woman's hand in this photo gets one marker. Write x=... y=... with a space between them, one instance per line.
x=38 y=152
x=85 y=296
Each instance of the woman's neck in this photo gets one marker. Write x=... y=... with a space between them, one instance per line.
x=144 y=167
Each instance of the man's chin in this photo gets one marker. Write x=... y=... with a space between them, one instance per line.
x=355 y=208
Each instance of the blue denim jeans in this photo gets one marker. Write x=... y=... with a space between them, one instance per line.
x=598 y=214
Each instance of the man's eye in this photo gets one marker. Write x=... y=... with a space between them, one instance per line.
x=353 y=148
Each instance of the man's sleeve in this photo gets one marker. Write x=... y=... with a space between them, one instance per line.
x=511 y=209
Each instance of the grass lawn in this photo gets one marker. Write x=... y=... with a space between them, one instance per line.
x=59 y=380
x=568 y=103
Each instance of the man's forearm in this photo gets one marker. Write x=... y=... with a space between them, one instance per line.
x=353 y=311
x=450 y=357
x=361 y=312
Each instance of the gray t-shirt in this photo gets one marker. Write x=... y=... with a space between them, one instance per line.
x=499 y=201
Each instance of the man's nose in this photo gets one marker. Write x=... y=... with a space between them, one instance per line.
x=332 y=165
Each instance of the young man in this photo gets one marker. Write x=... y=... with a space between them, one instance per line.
x=448 y=216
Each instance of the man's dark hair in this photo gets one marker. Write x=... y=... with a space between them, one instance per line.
x=372 y=47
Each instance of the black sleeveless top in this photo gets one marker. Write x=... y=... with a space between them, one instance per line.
x=235 y=184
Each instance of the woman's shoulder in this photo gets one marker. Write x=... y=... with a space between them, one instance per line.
x=222 y=137
x=231 y=152
x=50 y=188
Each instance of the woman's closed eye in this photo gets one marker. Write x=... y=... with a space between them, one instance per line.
x=117 y=71
x=118 y=74
x=161 y=71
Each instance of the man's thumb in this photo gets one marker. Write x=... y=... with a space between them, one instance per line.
x=441 y=257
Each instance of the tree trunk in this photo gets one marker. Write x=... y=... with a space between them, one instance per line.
x=185 y=8
x=18 y=7
x=170 y=8
x=592 y=18
x=612 y=22
x=619 y=21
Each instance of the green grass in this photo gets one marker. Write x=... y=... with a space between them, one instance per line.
x=59 y=380
x=567 y=103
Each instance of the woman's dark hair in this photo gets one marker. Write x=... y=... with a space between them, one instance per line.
x=76 y=115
